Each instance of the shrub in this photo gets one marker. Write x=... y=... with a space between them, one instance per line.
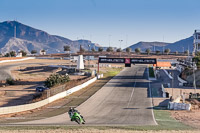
x=56 y=79
x=151 y=72
x=10 y=81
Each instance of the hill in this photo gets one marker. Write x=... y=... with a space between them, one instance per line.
x=28 y=38
x=179 y=46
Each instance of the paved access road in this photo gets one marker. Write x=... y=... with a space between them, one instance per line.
x=122 y=101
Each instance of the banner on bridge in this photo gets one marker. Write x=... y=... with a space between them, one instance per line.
x=129 y=60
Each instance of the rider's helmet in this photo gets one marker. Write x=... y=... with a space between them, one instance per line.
x=71 y=109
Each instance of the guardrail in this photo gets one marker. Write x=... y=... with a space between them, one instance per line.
x=26 y=107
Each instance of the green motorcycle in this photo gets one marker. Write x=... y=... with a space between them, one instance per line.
x=78 y=118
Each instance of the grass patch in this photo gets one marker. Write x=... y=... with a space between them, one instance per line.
x=166 y=122
x=151 y=72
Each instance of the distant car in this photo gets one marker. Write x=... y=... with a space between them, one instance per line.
x=41 y=88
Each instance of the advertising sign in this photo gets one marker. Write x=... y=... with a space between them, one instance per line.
x=143 y=61
x=111 y=60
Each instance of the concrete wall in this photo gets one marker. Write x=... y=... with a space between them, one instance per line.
x=20 y=108
x=28 y=58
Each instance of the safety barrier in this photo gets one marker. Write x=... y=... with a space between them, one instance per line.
x=26 y=107
x=168 y=74
x=28 y=58
x=179 y=106
x=163 y=91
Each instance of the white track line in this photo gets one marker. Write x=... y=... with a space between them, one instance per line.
x=151 y=99
x=131 y=93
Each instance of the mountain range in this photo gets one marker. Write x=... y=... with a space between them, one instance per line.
x=17 y=36
x=180 y=46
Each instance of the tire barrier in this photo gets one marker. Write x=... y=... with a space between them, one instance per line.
x=179 y=106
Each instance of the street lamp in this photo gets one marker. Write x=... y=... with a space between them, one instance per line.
x=120 y=46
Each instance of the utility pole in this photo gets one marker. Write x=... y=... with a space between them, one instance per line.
x=109 y=40
x=195 y=88
x=88 y=56
x=120 y=46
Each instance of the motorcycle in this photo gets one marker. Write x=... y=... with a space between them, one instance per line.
x=78 y=118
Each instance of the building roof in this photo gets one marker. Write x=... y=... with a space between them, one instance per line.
x=162 y=64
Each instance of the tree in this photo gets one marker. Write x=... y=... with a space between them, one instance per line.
x=23 y=52
x=148 y=51
x=119 y=50
x=43 y=51
x=109 y=49
x=167 y=51
x=82 y=49
x=137 y=50
x=7 y=55
x=187 y=52
x=93 y=49
x=100 y=49
x=56 y=79
x=157 y=52
x=67 y=48
x=12 y=53
x=33 y=51
x=128 y=50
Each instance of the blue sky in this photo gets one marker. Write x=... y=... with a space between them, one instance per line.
x=103 y=20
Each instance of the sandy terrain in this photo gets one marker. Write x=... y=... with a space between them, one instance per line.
x=192 y=117
x=28 y=77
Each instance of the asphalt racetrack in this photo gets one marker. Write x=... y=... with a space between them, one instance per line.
x=124 y=100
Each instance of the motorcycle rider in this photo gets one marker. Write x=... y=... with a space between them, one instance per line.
x=72 y=111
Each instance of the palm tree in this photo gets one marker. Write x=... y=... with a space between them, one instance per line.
x=187 y=52
x=119 y=50
x=100 y=49
x=128 y=50
x=157 y=52
x=109 y=49
x=82 y=49
x=12 y=53
x=137 y=50
x=67 y=48
x=93 y=49
x=148 y=51
x=167 y=51
x=23 y=52
x=33 y=51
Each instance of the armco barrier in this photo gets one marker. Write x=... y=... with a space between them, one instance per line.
x=181 y=80
x=28 y=58
x=26 y=107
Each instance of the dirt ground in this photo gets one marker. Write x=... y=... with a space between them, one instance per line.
x=28 y=77
x=191 y=117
